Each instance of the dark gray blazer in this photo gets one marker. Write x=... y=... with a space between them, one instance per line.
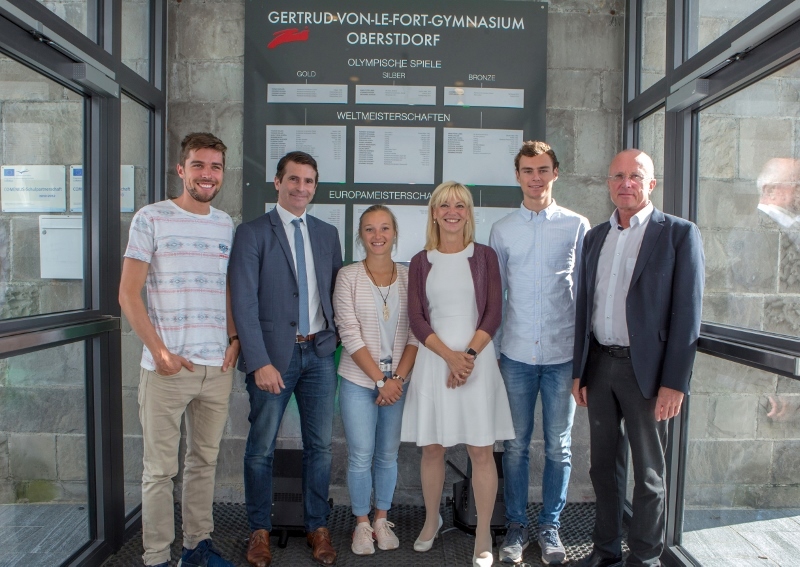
x=662 y=307
x=264 y=290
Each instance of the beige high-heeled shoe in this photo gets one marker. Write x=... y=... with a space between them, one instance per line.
x=485 y=559
x=422 y=545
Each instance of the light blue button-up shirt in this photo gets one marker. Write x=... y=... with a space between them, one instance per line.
x=539 y=257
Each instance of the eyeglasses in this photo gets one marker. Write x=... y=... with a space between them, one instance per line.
x=636 y=178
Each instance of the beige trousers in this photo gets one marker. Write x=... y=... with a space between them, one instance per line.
x=203 y=396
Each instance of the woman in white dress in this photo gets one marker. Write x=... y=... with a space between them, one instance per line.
x=457 y=395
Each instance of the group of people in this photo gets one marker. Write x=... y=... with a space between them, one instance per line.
x=455 y=349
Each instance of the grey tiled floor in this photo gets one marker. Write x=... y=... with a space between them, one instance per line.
x=454 y=547
x=41 y=535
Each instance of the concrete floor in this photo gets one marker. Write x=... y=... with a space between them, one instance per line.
x=41 y=535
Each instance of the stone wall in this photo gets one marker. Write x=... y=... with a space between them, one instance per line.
x=585 y=59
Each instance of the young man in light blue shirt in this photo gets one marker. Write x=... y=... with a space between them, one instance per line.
x=539 y=249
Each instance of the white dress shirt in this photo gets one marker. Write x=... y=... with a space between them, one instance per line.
x=316 y=318
x=539 y=255
x=614 y=270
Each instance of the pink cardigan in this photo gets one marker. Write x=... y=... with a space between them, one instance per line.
x=357 y=320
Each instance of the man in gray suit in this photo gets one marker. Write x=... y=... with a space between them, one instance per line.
x=282 y=270
x=637 y=324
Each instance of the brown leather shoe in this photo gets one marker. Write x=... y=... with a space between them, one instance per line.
x=321 y=547
x=258 y=553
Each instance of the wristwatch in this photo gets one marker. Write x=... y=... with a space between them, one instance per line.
x=471 y=351
x=232 y=338
x=380 y=383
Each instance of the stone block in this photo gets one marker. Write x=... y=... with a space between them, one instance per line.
x=8 y=493
x=339 y=462
x=178 y=88
x=131 y=361
x=229 y=199
x=580 y=463
x=22 y=83
x=25 y=265
x=221 y=81
x=612 y=90
x=761 y=139
x=611 y=7
x=767 y=497
x=728 y=462
x=32 y=457
x=709 y=495
x=698 y=416
x=61 y=295
x=651 y=141
x=561 y=137
x=580 y=426
x=230 y=462
x=74 y=13
x=789 y=276
x=733 y=309
x=758 y=100
x=733 y=416
x=654 y=42
x=787 y=386
x=779 y=416
x=131 y=425
x=587 y=41
x=789 y=98
x=782 y=314
x=573 y=89
x=73 y=491
x=597 y=141
x=786 y=462
x=718 y=148
x=714 y=375
x=727 y=203
x=408 y=467
x=4 y=472
x=134 y=452
x=135 y=121
x=62 y=366
x=585 y=195
x=741 y=260
x=45 y=410
x=224 y=120
x=61 y=122
x=135 y=30
x=239 y=408
x=18 y=300
x=730 y=9
x=222 y=25
x=5 y=247
x=71 y=461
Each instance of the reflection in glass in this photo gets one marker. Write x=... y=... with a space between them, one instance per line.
x=653 y=42
x=715 y=17
x=651 y=142
x=135 y=157
x=748 y=206
x=41 y=243
x=74 y=12
x=136 y=36
x=44 y=514
x=742 y=498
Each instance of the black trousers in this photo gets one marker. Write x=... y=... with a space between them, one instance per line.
x=613 y=395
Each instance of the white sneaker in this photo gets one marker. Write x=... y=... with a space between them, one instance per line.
x=384 y=534
x=362 y=540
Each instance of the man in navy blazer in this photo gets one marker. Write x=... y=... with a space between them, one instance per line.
x=282 y=270
x=636 y=330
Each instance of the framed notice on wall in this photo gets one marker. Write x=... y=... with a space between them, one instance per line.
x=33 y=188
x=393 y=98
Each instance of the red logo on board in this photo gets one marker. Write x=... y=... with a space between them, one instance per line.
x=287 y=36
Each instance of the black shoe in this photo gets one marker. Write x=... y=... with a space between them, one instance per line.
x=597 y=560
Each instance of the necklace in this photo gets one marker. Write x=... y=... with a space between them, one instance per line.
x=388 y=291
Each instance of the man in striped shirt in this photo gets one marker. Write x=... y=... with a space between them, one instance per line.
x=180 y=248
x=539 y=249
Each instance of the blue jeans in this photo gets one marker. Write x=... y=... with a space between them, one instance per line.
x=313 y=381
x=523 y=384
x=371 y=431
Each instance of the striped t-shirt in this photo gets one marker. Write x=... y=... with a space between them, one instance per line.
x=188 y=256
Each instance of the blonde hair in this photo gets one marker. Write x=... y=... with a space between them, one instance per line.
x=440 y=195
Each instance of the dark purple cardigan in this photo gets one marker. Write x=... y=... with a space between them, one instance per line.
x=488 y=292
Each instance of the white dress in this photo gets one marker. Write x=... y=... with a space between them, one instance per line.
x=476 y=413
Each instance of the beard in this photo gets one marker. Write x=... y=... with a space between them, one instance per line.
x=201 y=197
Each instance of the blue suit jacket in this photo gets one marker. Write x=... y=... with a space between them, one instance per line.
x=662 y=307
x=264 y=292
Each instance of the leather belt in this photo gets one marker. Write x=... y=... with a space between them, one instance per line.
x=614 y=351
x=302 y=339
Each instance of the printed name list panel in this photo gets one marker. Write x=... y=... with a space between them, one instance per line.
x=394 y=154
x=487 y=97
x=278 y=93
x=396 y=94
x=480 y=156
x=325 y=143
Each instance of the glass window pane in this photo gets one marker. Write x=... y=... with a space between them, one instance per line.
x=41 y=194
x=715 y=17
x=136 y=36
x=74 y=12
x=43 y=458
x=748 y=205
x=742 y=499
x=135 y=157
x=651 y=142
x=653 y=42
